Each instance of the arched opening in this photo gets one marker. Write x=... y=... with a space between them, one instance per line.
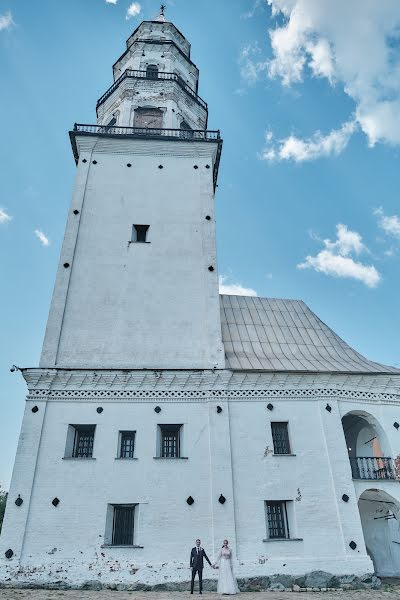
x=368 y=447
x=152 y=72
x=380 y=513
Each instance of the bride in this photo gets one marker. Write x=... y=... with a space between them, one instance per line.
x=226 y=580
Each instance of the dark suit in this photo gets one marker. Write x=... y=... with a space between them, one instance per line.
x=197 y=557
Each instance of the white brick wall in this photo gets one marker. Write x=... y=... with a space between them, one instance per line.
x=226 y=455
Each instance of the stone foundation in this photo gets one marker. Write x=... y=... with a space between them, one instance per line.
x=313 y=581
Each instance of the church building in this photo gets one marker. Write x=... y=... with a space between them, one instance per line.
x=162 y=411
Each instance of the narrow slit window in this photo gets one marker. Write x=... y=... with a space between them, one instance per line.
x=280 y=438
x=139 y=233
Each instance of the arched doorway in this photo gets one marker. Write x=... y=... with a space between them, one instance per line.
x=380 y=520
x=368 y=447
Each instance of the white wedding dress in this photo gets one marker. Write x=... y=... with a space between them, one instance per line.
x=227 y=583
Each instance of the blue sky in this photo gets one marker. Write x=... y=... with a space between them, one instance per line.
x=310 y=116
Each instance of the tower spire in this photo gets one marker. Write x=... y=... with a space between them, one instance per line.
x=161 y=16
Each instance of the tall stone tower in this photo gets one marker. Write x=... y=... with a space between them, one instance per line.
x=162 y=412
x=137 y=284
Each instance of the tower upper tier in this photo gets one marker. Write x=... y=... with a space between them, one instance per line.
x=155 y=82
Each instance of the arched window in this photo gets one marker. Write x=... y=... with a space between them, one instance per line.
x=152 y=72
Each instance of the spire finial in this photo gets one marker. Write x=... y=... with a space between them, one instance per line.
x=161 y=16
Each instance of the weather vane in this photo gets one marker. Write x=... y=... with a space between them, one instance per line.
x=162 y=9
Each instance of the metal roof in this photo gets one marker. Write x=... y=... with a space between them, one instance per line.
x=270 y=334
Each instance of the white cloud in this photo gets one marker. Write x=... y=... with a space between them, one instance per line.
x=133 y=10
x=390 y=225
x=353 y=45
x=335 y=258
x=111 y=1
x=250 y=14
x=42 y=238
x=317 y=146
x=4 y=217
x=6 y=21
x=250 y=67
x=234 y=289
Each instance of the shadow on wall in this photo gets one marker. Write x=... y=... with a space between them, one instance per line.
x=3 y=502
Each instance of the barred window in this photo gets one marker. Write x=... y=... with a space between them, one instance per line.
x=83 y=441
x=123 y=524
x=280 y=438
x=277 y=521
x=127 y=444
x=170 y=441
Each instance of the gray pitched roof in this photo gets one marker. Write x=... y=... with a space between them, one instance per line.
x=272 y=334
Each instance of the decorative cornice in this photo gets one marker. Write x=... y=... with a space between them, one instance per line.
x=204 y=396
x=76 y=384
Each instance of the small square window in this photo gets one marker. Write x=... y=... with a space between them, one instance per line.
x=127 y=444
x=280 y=438
x=139 y=233
x=82 y=438
x=123 y=524
x=170 y=441
x=277 y=520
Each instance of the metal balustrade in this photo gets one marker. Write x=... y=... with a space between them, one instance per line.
x=160 y=76
x=182 y=134
x=371 y=467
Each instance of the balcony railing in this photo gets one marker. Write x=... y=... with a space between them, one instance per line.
x=370 y=467
x=181 y=134
x=160 y=76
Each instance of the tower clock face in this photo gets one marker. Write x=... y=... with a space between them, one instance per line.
x=151 y=118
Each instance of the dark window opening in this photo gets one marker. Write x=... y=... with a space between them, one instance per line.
x=152 y=72
x=123 y=525
x=127 y=444
x=112 y=122
x=83 y=441
x=170 y=441
x=277 y=520
x=139 y=233
x=280 y=438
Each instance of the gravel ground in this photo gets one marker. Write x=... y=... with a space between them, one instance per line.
x=387 y=593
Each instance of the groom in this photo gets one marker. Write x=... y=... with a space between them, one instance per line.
x=197 y=556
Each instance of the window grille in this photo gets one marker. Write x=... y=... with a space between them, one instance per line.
x=139 y=233
x=170 y=441
x=123 y=525
x=280 y=438
x=127 y=446
x=277 y=520
x=83 y=441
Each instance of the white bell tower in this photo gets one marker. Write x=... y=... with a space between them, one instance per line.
x=137 y=283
